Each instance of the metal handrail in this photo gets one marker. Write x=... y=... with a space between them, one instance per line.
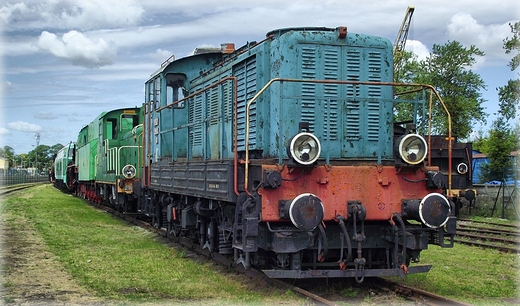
x=338 y=82
x=114 y=156
x=234 y=79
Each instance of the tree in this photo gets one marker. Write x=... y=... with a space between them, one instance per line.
x=53 y=150
x=513 y=43
x=502 y=138
x=447 y=69
x=8 y=153
x=45 y=155
x=509 y=94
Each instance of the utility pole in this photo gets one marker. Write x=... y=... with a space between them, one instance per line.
x=37 y=137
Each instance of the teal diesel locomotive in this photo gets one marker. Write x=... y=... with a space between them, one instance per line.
x=283 y=154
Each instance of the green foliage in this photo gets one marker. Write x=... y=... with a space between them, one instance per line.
x=448 y=70
x=508 y=99
x=44 y=153
x=407 y=74
x=460 y=88
x=8 y=153
x=502 y=138
x=479 y=142
x=500 y=143
x=512 y=44
x=509 y=94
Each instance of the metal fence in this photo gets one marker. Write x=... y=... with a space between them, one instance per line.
x=21 y=178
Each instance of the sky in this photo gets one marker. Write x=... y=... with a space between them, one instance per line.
x=64 y=62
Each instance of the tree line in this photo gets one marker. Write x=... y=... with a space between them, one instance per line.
x=40 y=158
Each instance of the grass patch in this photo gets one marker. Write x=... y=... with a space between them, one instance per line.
x=122 y=262
x=465 y=273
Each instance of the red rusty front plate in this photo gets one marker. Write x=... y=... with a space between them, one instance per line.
x=379 y=189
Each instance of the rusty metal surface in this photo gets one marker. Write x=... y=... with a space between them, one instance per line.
x=379 y=189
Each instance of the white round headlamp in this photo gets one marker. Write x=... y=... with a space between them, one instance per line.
x=462 y=168
x=304 y=148
x=413 y=148
x=129 y=171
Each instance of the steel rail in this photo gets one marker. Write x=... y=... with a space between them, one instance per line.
x=488 y=245
x=12 y=188
x=221 y=259
x=489 y=223
x=417 y=295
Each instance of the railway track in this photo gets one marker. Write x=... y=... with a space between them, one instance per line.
x=503 y=237
x=223 y=260
x=419 y=297
x=12 y=188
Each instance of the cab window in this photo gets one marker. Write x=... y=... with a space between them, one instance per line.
x=111 y=132
x=175 y=89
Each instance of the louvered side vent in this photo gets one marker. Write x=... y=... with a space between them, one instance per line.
x=308 y=55
x=246 y=89
x=331 y=92
x=213 y=106
x=227 y=95
x=374 y=93
x=195 y=120
x=352 y=114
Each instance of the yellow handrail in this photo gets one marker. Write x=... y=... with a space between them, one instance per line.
x=268 y=84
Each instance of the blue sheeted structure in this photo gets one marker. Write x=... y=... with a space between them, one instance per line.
x=480 y=159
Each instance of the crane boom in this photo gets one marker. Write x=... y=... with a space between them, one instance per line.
x=400 y=40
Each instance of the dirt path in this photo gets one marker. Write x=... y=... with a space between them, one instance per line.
x=30 y=274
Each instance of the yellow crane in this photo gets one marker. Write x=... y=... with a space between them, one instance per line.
x=400 y=41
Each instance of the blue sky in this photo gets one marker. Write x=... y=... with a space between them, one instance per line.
x=64 y=62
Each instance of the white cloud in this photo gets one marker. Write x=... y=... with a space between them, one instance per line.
x=94 y=14
x=25 y=127
x=4 y=131
x=464 y=28
x=9 y=10
x=67 y=14
x=78 y=49
x=162 y=55
x=418 y=48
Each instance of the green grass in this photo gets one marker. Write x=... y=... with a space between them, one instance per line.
x=474 y=275
x=123 y=262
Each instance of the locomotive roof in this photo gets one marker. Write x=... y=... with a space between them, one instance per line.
x=279 y=32
x=196 y=52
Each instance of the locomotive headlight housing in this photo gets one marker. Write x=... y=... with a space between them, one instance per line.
x=462 y=168
x=129 y=171
x=304 y=148
x=306 y=211
x=412 y=148
x=433 y=210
